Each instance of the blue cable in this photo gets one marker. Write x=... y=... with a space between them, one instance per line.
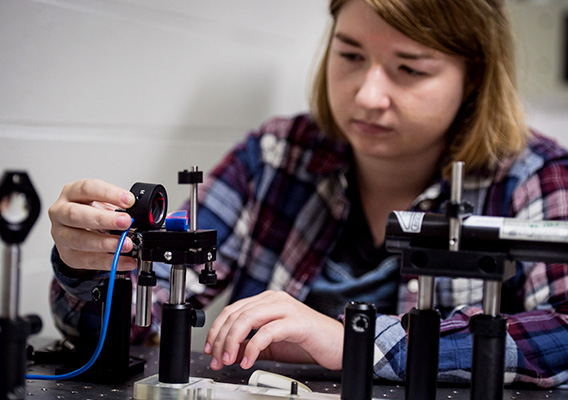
x=102 y=337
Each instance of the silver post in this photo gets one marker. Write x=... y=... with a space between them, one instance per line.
x=10 y=283
x=425 y=292
x=193 y=203
x=492 y=298
x=143 y=297
x=456 y=198
x=426 y=283
x=177 y=284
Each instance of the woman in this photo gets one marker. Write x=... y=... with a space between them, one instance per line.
x=404 y=89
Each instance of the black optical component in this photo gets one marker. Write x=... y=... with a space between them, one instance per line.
x=358 y=351
x=150 y=210
x=19 y=206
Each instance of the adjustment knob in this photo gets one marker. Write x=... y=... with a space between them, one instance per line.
x=208 y=277
x=197 y=318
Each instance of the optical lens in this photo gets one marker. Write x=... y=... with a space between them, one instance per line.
x=150 y=209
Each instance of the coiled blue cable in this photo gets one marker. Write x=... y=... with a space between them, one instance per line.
x=104 y=327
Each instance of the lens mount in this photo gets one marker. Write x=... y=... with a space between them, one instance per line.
x=151 y=206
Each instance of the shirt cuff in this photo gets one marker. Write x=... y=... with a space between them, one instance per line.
x=78 y=283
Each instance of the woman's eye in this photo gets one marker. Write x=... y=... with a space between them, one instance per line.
x=351 y=56
x=411 y=71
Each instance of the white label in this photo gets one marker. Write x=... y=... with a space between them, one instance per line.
x=551 y=231
x=410 y=222
x=480 y=221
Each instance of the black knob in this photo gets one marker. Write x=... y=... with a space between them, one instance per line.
x=207 y=277
x=35 y=323
x=197 y=318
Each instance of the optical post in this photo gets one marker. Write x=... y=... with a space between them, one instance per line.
x=19 y=210
x=177 y=245
x=479 y=247
x=114 y=364
x=180 y=247
x=156 y=238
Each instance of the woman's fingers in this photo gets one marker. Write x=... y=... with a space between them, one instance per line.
x=87 y=191
x=81 y=218
x=98 y=261
x=228 y=311
x=284 y=329
x=77 y=215
x=236 y=322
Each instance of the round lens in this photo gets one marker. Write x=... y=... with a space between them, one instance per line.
x=157 y=209
x=14 y=208
x=151 y=206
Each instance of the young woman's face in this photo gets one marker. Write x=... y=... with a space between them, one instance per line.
x=392 y=97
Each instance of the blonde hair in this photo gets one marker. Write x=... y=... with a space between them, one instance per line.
x=490 y=124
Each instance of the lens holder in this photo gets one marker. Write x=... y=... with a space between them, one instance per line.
x=151 y=206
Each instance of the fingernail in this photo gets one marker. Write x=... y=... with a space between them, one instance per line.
x=214 y=363
x=226 y=357
x=126 y=198
x=122 y=221
x=244 y=363
x=129 y=264
x=207 y=348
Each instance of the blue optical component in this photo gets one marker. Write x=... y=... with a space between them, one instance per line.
x=177 y=221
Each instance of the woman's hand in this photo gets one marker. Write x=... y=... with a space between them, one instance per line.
x=81 y=219
x=287 y=331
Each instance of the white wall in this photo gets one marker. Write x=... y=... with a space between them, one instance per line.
x=135 y=90
x=539 y=30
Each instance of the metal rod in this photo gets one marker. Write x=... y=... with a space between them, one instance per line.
x=9 y=295
x=143 y=297
x=177 y=284
x=492 y=298
x=425 y=292
x=457 y=181
x=456 y=198
x=193 y=203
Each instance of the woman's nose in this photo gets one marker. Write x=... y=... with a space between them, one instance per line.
x=374 y=90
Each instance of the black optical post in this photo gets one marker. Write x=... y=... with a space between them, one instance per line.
x=358 y=351
x=154 y=240
x=114 y=364
x=180 y=248
x=424 y=320
x=19 y=210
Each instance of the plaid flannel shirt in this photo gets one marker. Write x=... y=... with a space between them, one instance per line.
x=278 y=204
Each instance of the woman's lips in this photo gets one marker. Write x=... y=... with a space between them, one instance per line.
x=371 y=128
